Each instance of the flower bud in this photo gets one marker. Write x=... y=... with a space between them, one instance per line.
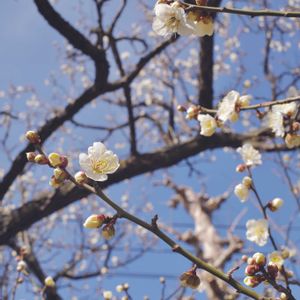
x=192 y=112
x=190 y=279
x=162 y=280
x=234 y=117
x=251 y=269
x=57 y=160
x=22 y=267
x=31 y=156
x=80 y=177
x=107 y=295
x=296 y=126
x=292 y=140
x=244 y=258
x=33 y=137
x=108 y=231
x=119 y=288
x=285 y=253
x=259 y=259
x=55 y=182
x=244 y=100
x=251 y=261
x=275 y=204
x=49 y=282
x=241 y=168
x=41 y=159
x=252 y=281
x=59 y=174
x=283 y=296
x=242 y=192
x=247 y=181
x=272 y=269
x=94 y=221
x=181 y=108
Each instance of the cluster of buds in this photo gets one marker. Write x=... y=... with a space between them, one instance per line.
x=97 y=221
x=242 y=190
x=257 y=271
x=190 y=279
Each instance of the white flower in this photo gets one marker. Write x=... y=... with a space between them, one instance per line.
x=98 y=162
x=107 y=295
x=277 y=259
x=169 y=20
x=288 y=109
x=227 y=106
x=242 y=192
x=202 y=25
x=208 y=125
x=275 y=122
x=250 y=156
x=257 y=231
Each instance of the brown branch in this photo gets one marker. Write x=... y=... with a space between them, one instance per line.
x=23 y=217
x=245 y=12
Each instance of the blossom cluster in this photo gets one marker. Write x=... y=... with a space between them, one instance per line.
x=171 y=18
x=258 y=270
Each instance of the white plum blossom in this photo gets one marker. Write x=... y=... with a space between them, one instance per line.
x=288 y=109
x=275 y=118
x=277 y=259
x=98 y=162
x=275 y=122
x=227 y=106
x=241 y=191
x=169 y=20
x=208 y=124
x=257 y=231
x=250 y=156
x=230 y=105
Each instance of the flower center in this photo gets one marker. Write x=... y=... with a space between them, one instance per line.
x=99 y=166
x=173 y=23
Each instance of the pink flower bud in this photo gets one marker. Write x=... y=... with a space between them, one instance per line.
x=31 y=156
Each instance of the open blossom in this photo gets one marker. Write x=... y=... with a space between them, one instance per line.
x=275 y=118
x=208 y=125
x=227 y=107
x=170 y=19
x=98 y=162
x=230 y=105
x=288 y=109
x=257 y=231
x=277 y=259
x=250 y=156
x=275 y=122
